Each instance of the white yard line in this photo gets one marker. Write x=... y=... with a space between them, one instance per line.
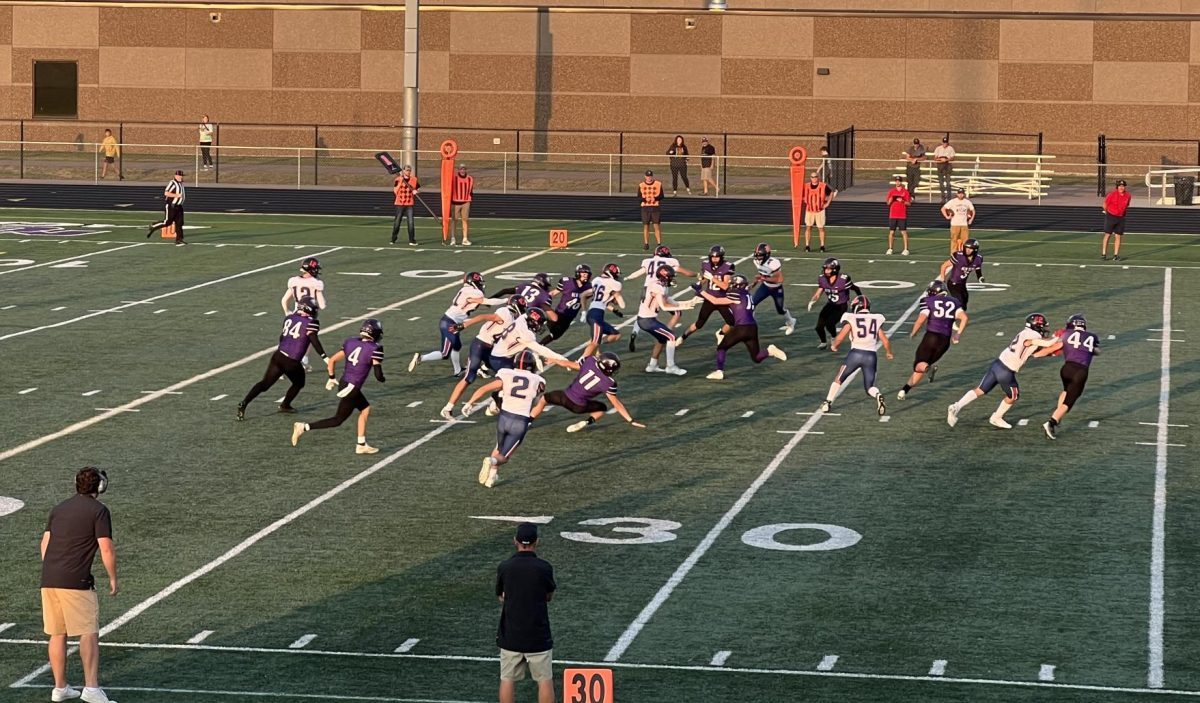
x=491 y=661
x=70 y=258
x=1154 y=675
x=189 y=289
x=199 y=637
x=407 y=645
x=272 y=694
x=302 y=642
x=635 y=627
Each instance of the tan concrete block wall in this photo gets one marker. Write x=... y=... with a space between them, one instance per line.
x=782 y=37
x=493 y=33
x=5 y=66
x=56 y=27
x=667 y=75
x=586 y=35
x=328 y=30
x=766 y=77
x=1141 y=41
x=668 y=34
x=1046 y=41
x=238 y=29
x=860 y=78
x=228 y=68
x=1045 y=81
x=150 y=67
x=1130 y=82
x=326 y=69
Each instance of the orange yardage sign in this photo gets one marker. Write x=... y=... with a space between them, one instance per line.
x=588 y=686
x=558 y=239
x=168 y=232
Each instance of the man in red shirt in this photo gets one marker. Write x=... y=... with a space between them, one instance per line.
x=1115 y=205
x=898 y=200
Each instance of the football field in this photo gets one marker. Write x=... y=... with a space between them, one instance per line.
x=742 y=547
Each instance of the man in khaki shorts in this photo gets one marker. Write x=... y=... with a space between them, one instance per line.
x=77 y=528
x=961 y=214
x=525 y=585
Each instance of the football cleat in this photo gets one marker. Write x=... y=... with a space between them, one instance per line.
x=633 y=341
x=880 y=406
x=415 y=362
x=1049 y=430
x=776 y=352
x=902 y=394
x=952 y=415
x=493 y=478
x=297 y=430
x=653 y=367
x=576 y=426
x=999 y=422
x=717 y=375
x=286 y=410
x=826 y=406
x=888 y=252
x=241 y=412
x=823 y=345
x=904 y=253
x=720 y=336
x=932 y=372
x=789 y=326
x=365 y=448
x=485 y=470
x=675 y=370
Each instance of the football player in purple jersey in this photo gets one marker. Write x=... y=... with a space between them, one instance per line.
x=837 y=287
x=957 y=269
x=594 y=378
x=1078 y=347
x=299 y=330
x=536 y=293
x=941 y=310
x=363 y=354
x=715 y=273
x=744 y=329
x=573 y=293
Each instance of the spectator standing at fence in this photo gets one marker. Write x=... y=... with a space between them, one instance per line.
x=462 y=188
x=817 y=196
x=679 y=153
x=525 y=585
x=650 y=192
x=1115 y=205
x=915 y=156
x=943 y=156
x=898 y=200
x=824 y=153
x=112 y=152
x=405 y=188
x=77 y=528
x=206 y=142
x=707 y=165
x=174 y=193
x=961 y=214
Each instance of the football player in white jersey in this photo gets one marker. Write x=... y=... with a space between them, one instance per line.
x=865 y=329
x=606 y=295
x=770 y=283
x=481 y=349
x=662 y=255
x=307 y=283
x=655 y=299
x=456 y=319
x=519 y=388
x=1003 y=371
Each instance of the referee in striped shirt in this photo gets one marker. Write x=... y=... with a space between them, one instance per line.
x=175 y=194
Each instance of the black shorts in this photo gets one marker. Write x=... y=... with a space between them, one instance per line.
x=933 y=347
x=958 y=291
x=110 y=159
x=560 y=399
x=651 y=214
x=1114 y=224
x=1074 y=378
x=557 y=328
x=355 y=401
x=900 y=223
x=707 y=309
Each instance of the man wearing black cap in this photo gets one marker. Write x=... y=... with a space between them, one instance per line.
x=707 y=163
x=650 y=192
x=174 y=194
x=1115 y=205
x=943 y=156
x=524 y=585
x=915 y=156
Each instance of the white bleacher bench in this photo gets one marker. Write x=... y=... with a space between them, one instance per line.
x=989 y=174
x=1163 y=180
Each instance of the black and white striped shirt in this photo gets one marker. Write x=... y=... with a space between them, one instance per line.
x=175 y=187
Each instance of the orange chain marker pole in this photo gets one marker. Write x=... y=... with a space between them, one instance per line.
x=798 y=156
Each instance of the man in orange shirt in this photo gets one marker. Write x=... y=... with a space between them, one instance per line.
x=405 y=188
x=650 y=192
x=817 y=196
x=462 y=187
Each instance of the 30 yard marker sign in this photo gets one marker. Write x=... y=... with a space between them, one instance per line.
x=588 y=686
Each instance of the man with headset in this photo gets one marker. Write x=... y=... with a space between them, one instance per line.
x=77 y=528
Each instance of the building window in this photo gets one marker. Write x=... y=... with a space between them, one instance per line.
x=55 y=89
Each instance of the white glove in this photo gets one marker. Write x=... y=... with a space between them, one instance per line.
x=468 y=409
x=331 y=384
x=811 y=302
x=346 y=391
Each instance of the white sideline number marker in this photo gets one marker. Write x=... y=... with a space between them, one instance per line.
x=407 y=645
x=720 y=658
x=1046 y=673
x=938 y=668
x=199 y=637
x=302 y=642
x=828 y=662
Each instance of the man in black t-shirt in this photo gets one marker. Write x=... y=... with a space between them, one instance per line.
x=76 y=530
x=707 y=163
x=525 y=584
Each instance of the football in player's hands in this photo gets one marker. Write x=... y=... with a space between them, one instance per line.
x=346 y=391
x=331 y=384
x=453 y=328
x=1059 y=334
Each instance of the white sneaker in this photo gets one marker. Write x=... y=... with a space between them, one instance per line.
x=575 y=427
x=676 y=342
x=485 y=470
x=999 y=422
x=453 y=243
x=826 y=406
x=492 y=409
x=717 y=375
x=297 y=430
x=904 y=253
x=952 y=416
x=675 y=371
x=65 y=693
x=95 y=695
x=652 y=367
x=365 y=449
x=415 y=362
x=789 y=326
x=466 y=242
x=823 y=345
x=305 y=365
x=901 y=395
x=447 y=413
x=776 y=352
x=880 y=406
x=888 y=252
